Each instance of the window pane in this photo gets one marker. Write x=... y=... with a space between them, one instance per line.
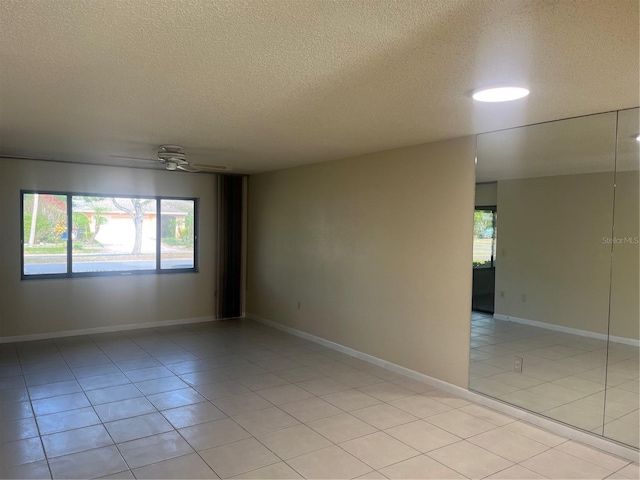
x=178 y=234
x=484 y=234
x=45 y=233
x=112 y=234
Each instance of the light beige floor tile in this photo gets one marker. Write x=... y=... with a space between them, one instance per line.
x=54 y=389
x=90 y=464
x=469 y=460
x=422 y=435
x=278 y=364
x=284 y=394
x=149 y=373
x=126 y=475
x=112 y=394
x=517 y=472
x=273 y=472
x=460 y=423
x=21 y=451
x=187 y=466
x=447 y=398
x=310 y=409
x=293 y=441
x=137 y=427
x=194 y=414
x=487 y=414
x=630 y=471
x=213 y=391
x=420 y=467
x=348 y=400
x=508 y=444
x=59 y=422
x=213 y=434
x=592 y=455
x=34 y=470
x=176 y=398
x=373 y=475
x=300 y=374
x=236 y=404
x=78 y=440
x=556 y=464
x=160 y=385
x=20 y=429
x=420 y=406
x=245 y=370
x=379 y=450
x=341 y=428
x=16 y=411
x=265 y=421
x=323 y=386
x=383 y=416
x=239 y=457
x=153 y=449
x=262 y=382
x=330 y=463
x=535 y=433
x=387 y=391
x=132 y=407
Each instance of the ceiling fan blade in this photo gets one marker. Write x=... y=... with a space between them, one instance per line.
x=135 y=158
x=188 y=168
x=210 y=167
x=22 y=157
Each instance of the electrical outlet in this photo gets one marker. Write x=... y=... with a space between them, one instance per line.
x=504 y=252
x=501 y=293
x=517 y=364
x=298 y=305
x=524 y=297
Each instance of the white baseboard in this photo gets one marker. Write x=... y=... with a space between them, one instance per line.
x=529 y=417
x=573 y=331
x=109 y=329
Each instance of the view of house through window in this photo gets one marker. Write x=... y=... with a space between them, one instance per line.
x=177 y=232
x=45 y=233
x=107 y=234
x=484 y=238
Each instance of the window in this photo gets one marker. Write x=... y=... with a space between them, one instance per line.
x=484 y=237
x=68 y=235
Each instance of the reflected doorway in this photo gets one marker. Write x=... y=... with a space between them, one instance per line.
x=484 y=254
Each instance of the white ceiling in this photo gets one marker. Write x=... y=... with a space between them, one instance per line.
x=266 y=84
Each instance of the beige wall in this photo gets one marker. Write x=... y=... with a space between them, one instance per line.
x=53 y=305
x=486 y=194
x=551 y=249
x=377 y=250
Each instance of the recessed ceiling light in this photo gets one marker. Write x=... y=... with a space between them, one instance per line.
x=638 y=138
x=500 y=94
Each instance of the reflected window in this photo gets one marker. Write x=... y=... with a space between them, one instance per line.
x=484 y=237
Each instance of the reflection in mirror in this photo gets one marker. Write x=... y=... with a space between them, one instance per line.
x=621 y=406
x=544 y=346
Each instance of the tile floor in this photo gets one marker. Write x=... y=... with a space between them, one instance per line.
x=563 y=375
x=236 y=399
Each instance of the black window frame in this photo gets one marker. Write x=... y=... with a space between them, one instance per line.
x=120 y=273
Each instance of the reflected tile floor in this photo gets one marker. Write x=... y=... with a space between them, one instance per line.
x=237 y=399
x=563 y=375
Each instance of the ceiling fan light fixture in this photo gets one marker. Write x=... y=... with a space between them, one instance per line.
x=171 y=165
x=500 y=94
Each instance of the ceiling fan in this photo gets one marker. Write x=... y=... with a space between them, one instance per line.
x=173 y=158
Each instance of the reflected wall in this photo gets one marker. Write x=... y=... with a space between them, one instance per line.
x=566 y=289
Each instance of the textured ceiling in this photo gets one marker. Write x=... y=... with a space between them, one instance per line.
x=266 y=84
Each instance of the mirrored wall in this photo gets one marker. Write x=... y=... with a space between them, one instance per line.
x=560 y=336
